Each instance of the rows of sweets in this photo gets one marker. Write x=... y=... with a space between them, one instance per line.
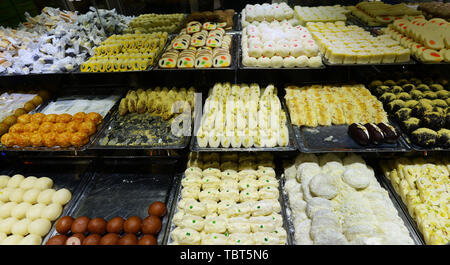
x=242 y=116
x=341 y=44
x=435 y=10
x=336 y=200
x=28 y=205
x=229 y=199
x=423 y=185
x=149 y=23
x=267 y=12
x=428 y=40
x=419 y=106
x=278 y=44
x=334 y=13
x=198 y=46
x=128 y=52
x=216 y=16
x=379 y=13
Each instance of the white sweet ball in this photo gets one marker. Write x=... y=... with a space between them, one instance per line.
x=4 y=179
x=39 y=227
x=62 y=196
x=12 y=240
x=35 y=211
x=4 y=194
x=2 y=237
x=51 y=211
x=5 y=209
x=6 y=225
x=45 y=196
x=28 y=183
x=16 y=195
x=31 y=196
x=20 y=210
x=31 y=240
x=14 y=181
x=43 y=183
x=21 y=227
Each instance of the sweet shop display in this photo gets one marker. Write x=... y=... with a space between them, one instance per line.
x=423 y=185
x=379 y=13
x=336 y=200
x=242 y=116
x=325 y=105
x=150 y=23
x=419 y=107
x=224 y=18
x=334 y=13
x=279 y=44
x=435 y=10
x=129 y=52
x=199 y=46
x=229 y=199
x=267 y=12
x=371 y=133
x=341 y=44
x=28 y=206
x=134 y=230
x=428 y=40
x=56 y=41
x=145 y=117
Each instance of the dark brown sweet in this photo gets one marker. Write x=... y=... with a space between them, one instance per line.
x=115 y=225
x=63 y=224
x=151 y=225
x=147 y=240
x=157 y=208
x=376 y=135
x=110 y=239
x=128 y=239
x=57 y=240
x=390 y=134
x=80 y=225
x=97 y=226
x=132 y=225
x=92 y=239
x=359 y=133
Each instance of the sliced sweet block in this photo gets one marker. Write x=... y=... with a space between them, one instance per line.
x=445 y=53
x=215 y=33
x=203 y=61
x=433 y=40
x=222 y=60
x=214 y=42
x=185 y=61
x=389 y=56
x=209 y=26
x=430 y=55
x=222 y=25
x=402 y=55
x=198 y=41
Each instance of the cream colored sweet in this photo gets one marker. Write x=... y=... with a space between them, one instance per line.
x=51 y=212
x=31 y=196
x=21 y=227
x=35 y=211
x=19 y=211
x=4 y=194
x=16 y=195
x=43 y=183
x=7 y=224
x=39 y=227
x=5 y=209
x=320 y=14
x=45 y=197
x=14 y=181
x=4 y=179
x=28 y=183
x=31 y=240
x=12 y=240
x=267 y=12
x=62 y=196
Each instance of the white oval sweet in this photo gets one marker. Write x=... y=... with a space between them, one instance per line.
x=62 y=196
x=12 y=240
x=16 y=195
x=45 y=196
x=21 y=227
x=39 y=227
x=14 y=181
x=356 y=178
x=31 y=240
x=31 y=196
x=322 y=185
x=28 y=183
x=5 y=209
x=20 y=210
x=35 y=211
x=4 y=194
x=43 y=183
x=4 y=179
x=52 y=211
x=6 y=225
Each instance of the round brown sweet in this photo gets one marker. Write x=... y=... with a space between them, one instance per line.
x=63 y=224
x=157 y=208
x=57 y=240
x=80 y=225
x=3 y=128
x=115 y=225
x=20 y=111
x=132 y=225
x=10 y=120
x=128 y=239
x=97 y=226
x=92 y=239
x=37 y=100
x=43 y=94
x=75 y=239
x=147 y=240
x=151 y=225
x=110 y=239
x=29 y=106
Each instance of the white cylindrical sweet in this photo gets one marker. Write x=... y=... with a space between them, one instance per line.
x=14 y=181
x=31 y=240
x=31 y=196
x=35 y=211
x=2 y=237
x=39 y=227
x=20 y=210
x=62 y=196
x=43 y=183
x=4 y=179
x=12 y=240
x=6 y=225
x=28 y=183
x=4 y=194
x=16 y=195
x=52 y=211
x=21 y=227
x=5 y=209
x=45 y=196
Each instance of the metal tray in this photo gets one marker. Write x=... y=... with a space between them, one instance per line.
x=233 y=49
x=125 y=189
x=172 y=226
x=113 y=124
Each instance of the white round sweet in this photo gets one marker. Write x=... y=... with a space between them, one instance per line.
x=356 y=177
x=5 y=209
x=276 y=61
x=16 y=195
x=4 y=194
x=21 y=227
x=35 y=211
x=31 y=196
x=31 y=240
x=322 y=185
x=6 y=225
x=28 y=183
x=39 y=227
x=62 y=196
x=52 y=211
x=45 y=196
x=43 y=183
x=14 y=181
x=2 y=237
x=12 y=240
x=4 y=179
x=20 y=210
